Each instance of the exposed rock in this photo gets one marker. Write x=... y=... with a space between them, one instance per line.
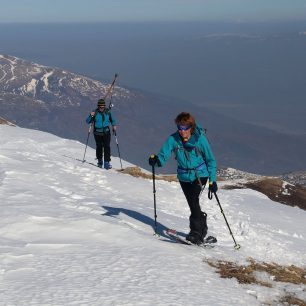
x=4 y=121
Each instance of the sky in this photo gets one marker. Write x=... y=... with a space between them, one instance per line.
x=150 y=10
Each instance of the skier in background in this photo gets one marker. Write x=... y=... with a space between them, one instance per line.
x=102 y=118
x=195 y=165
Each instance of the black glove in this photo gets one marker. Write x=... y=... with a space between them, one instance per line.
x=153 y=160
x=213 y=187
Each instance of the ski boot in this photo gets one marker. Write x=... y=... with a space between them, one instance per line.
x=194 y=238
x=100 y=163
x=107 y=165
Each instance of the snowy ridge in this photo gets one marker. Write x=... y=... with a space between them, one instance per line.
x=298 y=177
x=56 y=86
x=234 y=174
x=73 y=234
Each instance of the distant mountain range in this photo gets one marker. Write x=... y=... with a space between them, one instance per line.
x=58 y=101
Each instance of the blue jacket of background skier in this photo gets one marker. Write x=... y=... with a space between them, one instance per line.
x=102 y=120
x=194 y=158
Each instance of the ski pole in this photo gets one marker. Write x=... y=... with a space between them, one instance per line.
x=237 y=246
x=118 y=149
x=89 y=130
x=154 y=197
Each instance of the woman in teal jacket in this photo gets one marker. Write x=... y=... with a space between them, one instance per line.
x=195 y=165
x=102 y=118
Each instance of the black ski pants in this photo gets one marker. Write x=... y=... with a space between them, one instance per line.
x=103 y=146
x=197 y=217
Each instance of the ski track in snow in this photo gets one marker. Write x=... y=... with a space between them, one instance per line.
x=73 y=234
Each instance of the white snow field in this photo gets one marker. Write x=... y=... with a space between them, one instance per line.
x=74 y=234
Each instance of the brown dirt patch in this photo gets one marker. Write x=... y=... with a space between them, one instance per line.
x=248 y=274
x=3 y=121
x=292 y=300
x=280 y=191
x=136 y=172
x=245 y=274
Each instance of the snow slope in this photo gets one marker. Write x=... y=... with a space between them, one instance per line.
x=73 y=234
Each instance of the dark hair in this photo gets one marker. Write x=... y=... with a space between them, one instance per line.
x=185 y=118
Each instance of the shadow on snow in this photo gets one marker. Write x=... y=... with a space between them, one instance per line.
x=115 y=211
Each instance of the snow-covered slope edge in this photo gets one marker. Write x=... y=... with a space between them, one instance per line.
x=71 y=233
x=4 y=121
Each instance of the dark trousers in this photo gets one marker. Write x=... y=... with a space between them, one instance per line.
x=197 y=218
x=103 y=145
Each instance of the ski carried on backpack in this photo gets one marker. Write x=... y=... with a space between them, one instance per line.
x=110 y=89
x=209 y=242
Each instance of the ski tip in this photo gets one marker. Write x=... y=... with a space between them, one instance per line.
x=171 y=231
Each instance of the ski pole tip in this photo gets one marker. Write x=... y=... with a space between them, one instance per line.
x=237 y=246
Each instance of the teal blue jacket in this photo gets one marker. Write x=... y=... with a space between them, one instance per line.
x=194 y=158
x=102 y=120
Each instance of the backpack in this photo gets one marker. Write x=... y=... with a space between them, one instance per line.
x=106 y=111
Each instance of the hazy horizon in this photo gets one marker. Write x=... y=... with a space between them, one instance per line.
x=158 y=10
x=255 y=72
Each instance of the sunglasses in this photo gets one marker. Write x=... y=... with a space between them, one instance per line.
x=183 y=127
